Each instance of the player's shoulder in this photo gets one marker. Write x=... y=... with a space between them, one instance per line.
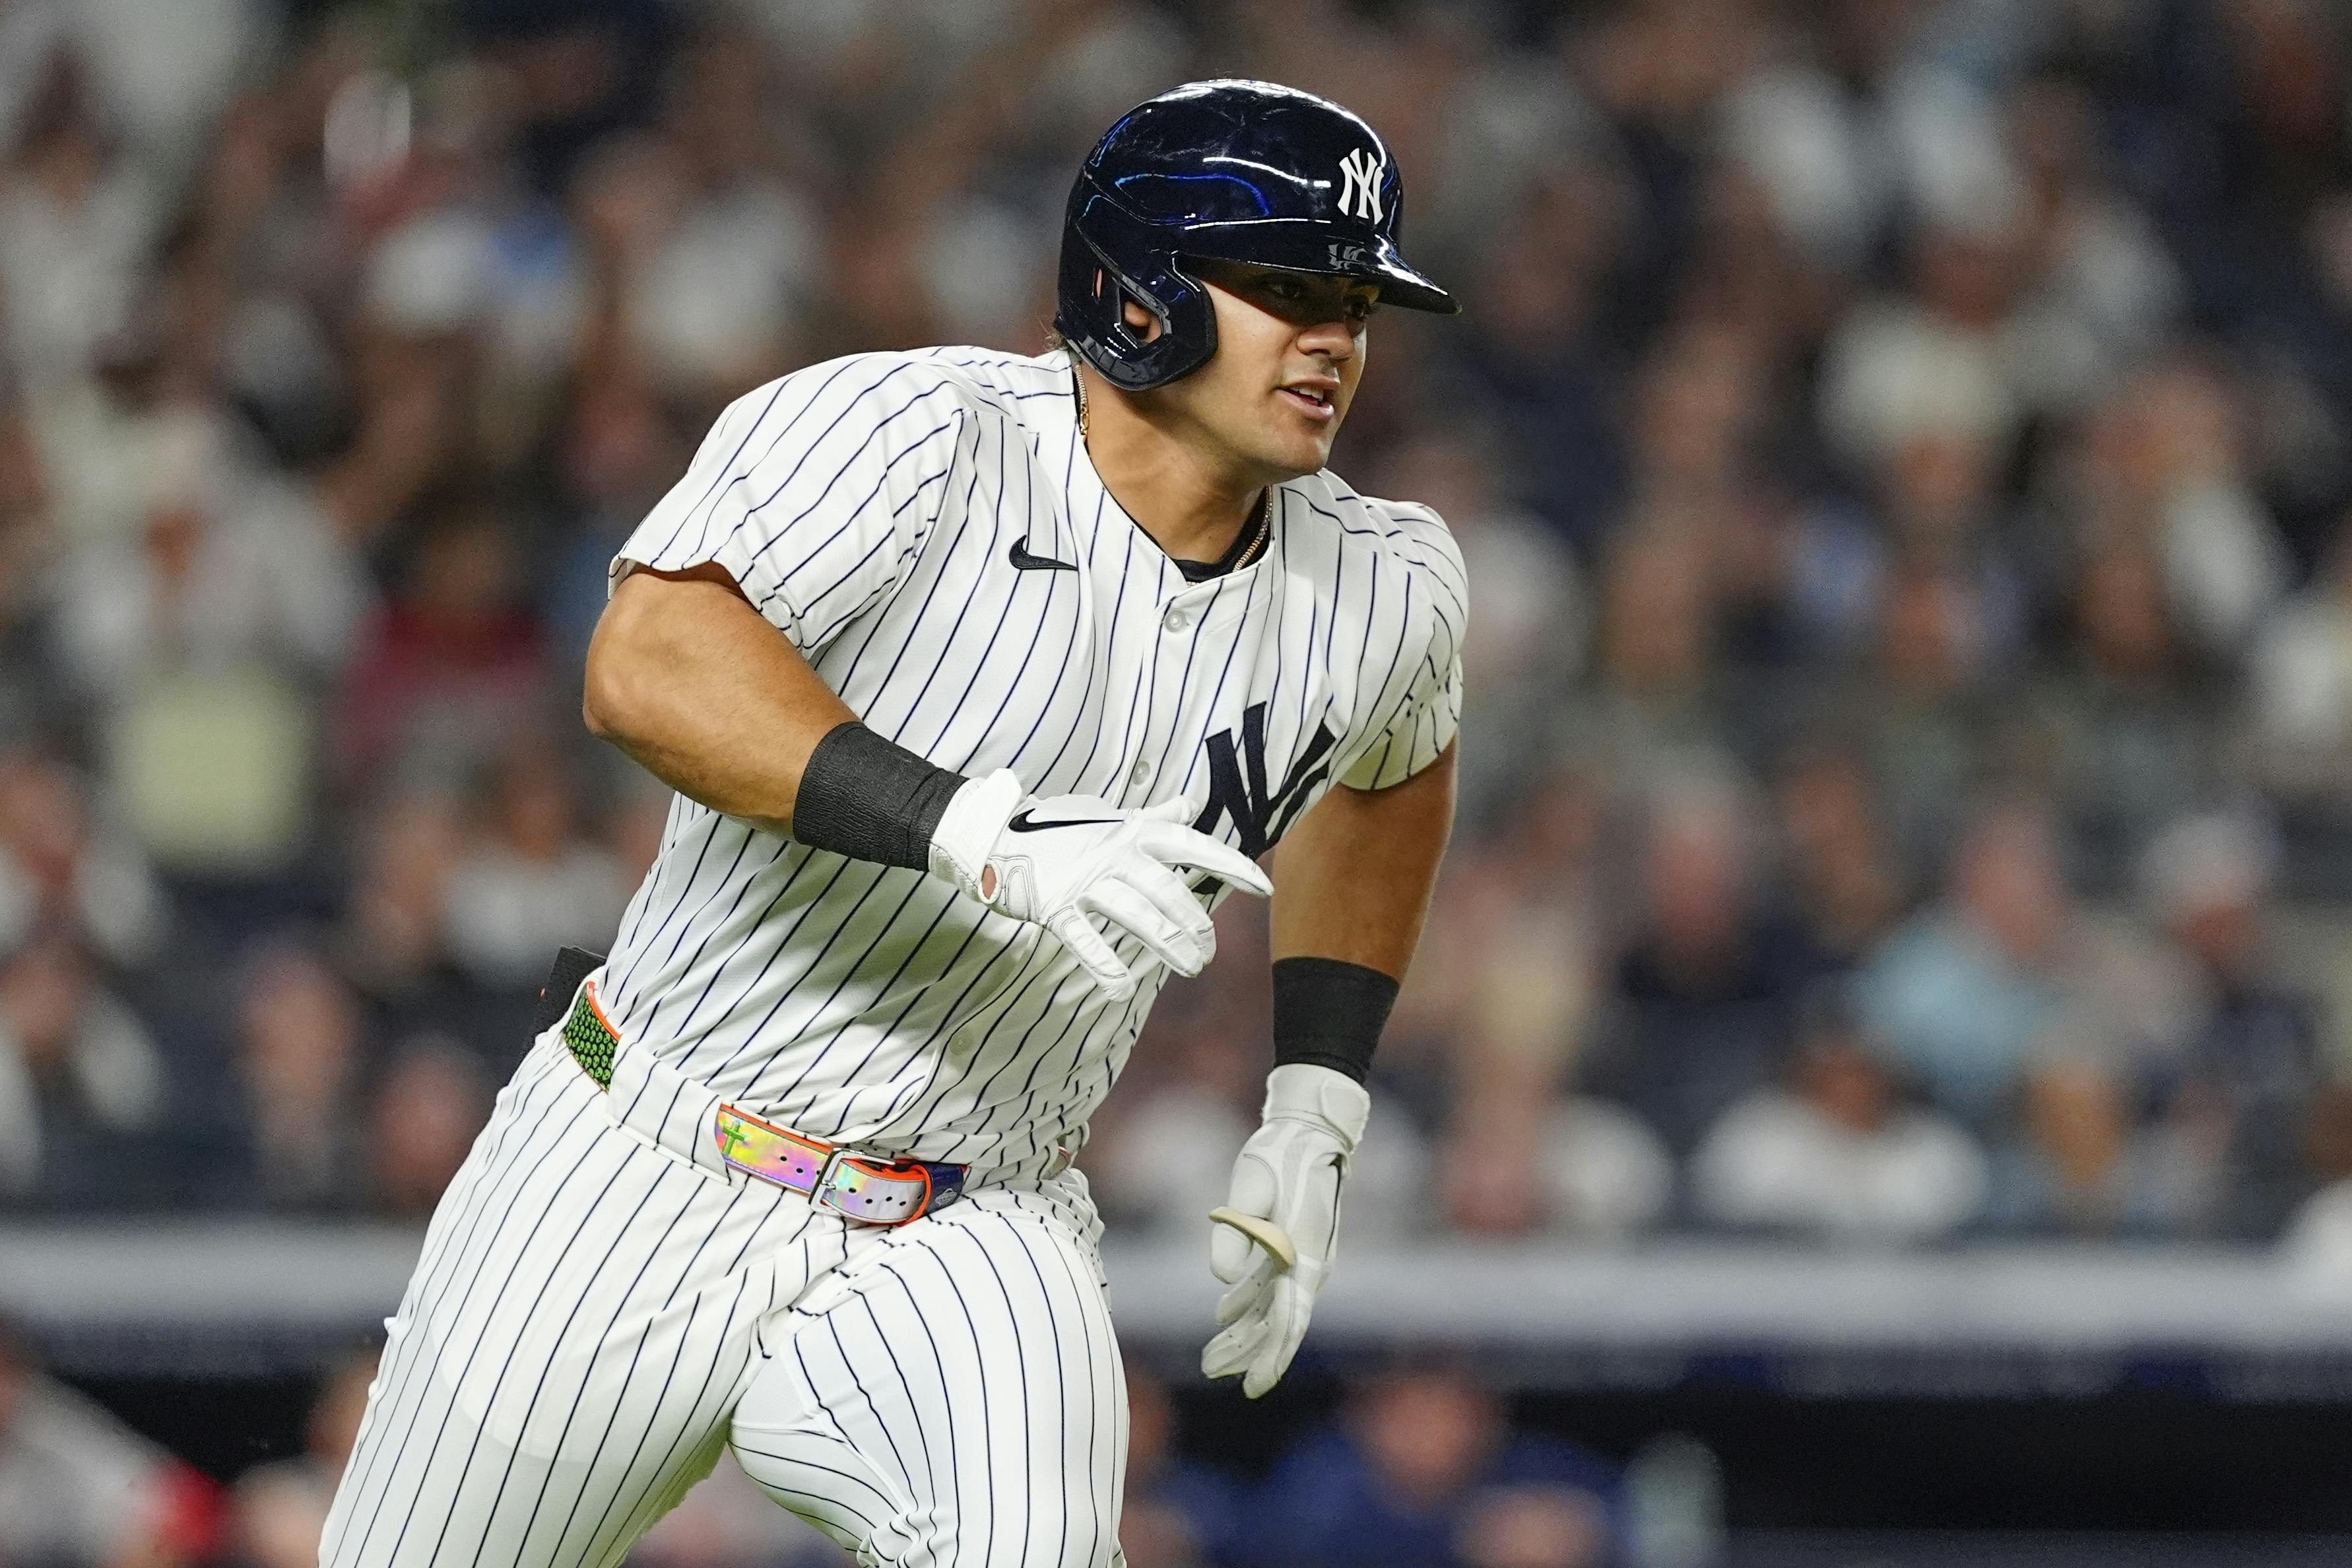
x=1005 y=380
x=1407 y=533
x=886 y=385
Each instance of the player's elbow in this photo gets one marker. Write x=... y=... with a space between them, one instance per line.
x=613 y=686
x=656 y=627
x=599 y=703
x=595 y=713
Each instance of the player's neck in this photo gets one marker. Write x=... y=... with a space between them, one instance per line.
x=1193 y=502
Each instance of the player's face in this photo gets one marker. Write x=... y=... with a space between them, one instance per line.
x=1291 y=350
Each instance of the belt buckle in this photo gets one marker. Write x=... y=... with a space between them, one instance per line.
x=852 y=1202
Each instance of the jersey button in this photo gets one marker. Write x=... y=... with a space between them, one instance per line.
x=1139 y=775
x=1177 y=618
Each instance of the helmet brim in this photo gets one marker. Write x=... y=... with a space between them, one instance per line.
x=1297 y=247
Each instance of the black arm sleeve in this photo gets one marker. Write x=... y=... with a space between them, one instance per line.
x=871 y=799
x=1329 y=1012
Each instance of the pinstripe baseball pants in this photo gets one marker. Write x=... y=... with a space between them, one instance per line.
x=595 y=1315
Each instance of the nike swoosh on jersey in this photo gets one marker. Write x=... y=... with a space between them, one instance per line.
x=1021 y=822
x=1025 y=562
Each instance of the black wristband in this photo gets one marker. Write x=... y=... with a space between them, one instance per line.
x=1329 y=1012
x=871 y=799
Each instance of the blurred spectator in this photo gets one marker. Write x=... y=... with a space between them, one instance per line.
x=297 y=1062
x=228 y=569
x=1698 y=421
x=430 y=1104
x=529 y=882
x=1508 y=979
x=1923 y=709
x=2169 y=470
x=1703 y=990
x=81 y=1084
x=76 y=218
x=27 y=702
x=2256 y=1060
x=394 y=942
x=2127 y=730
x=2085 y=1159
x=1940 y=504
x=205 y=647
x=278 y=1509
x=1577 y=1166
x=1845 y=886
x=160 y=78
x=78 y=1490
x=1532 y=616
x=452 y=667
x=720 y=254
x=1425 y=1468
x=60 y=866
x=1927 y=364
x=1509 y=971
x=2100 y=289
x=2301 y=681
x=2005 y=972
x=1658 y=688
x=1538 y=352
x=1837 y=1154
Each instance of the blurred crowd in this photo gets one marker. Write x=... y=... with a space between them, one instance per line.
x=1902 y=450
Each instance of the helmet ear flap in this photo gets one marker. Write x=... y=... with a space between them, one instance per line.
x=1096 y=288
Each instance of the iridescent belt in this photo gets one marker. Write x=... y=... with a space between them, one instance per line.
x=868 y=1190
x=857 y=1186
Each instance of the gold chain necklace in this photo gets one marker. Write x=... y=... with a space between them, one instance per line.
x=1264 y=527
x=1261 y=523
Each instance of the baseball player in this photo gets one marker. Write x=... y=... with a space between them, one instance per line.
x=981 y=678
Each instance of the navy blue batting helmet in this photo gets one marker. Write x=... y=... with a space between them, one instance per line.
x=1227 y=171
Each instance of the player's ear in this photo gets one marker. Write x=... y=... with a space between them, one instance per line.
x=1140 y=320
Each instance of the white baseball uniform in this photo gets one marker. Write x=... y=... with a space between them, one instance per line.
x=602 y=1302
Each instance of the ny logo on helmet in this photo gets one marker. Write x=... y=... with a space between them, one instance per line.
x=1360 y=194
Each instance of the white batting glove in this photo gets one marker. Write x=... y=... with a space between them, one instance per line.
x=1066 y=860
x=1284 y=1214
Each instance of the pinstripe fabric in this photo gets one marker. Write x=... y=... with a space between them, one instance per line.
x=868 y=507
x=580 y=1320
x=958 y=1402
x=596 y=1316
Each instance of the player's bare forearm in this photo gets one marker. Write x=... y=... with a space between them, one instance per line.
x=1353 y=880
x=691 y=682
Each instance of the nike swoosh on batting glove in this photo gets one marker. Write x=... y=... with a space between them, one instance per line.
x=1287 y=1177
x=1067 y=862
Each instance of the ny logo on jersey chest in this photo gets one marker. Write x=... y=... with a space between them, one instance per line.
x=1237 y=783
x=1360 y=193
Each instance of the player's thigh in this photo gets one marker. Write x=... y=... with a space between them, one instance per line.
x=959 y=1402
x=482 y=1499
x=567 y=1351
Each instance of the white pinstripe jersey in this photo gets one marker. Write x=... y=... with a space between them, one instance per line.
x=870 y=508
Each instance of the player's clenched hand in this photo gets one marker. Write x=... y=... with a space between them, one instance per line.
x=1065 y=861
x=1273 y=1241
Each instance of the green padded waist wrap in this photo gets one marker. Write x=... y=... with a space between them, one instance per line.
x=592 y=1042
